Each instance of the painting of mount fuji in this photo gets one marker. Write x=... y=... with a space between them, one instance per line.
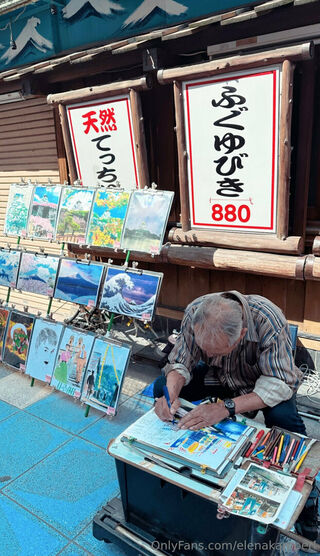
x=44 y=212
x=131 y=293
x=146 y=221
x=75 y=207
x=107 y=217
x=79 y=282
x=9 y=266
x=37 y=273
x=104 y=376
x=18 y=209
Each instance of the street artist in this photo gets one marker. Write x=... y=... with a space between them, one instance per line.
x=238 y=349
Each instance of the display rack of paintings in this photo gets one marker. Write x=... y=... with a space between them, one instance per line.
x=37 y=273
x=79 y=281
x=107 y=218
x=74 y=212
x=74 y=353
x=105 y=372
x=44 y=212
x=17 y=339
x=43 y=349
x=4 y=317
x=18 y=206
x=146 y=221
x=9 y=267
x=131 y=292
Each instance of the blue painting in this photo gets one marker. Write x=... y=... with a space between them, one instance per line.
x=18 y=206
x=79 y=282
x=73 y=356
x=130 y=293
x=146 y=221
x=37 y=273
x=43 y=349
x=9 y=266
x=104 y=375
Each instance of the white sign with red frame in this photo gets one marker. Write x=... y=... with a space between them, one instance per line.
x=103 y=142
x=232 y=127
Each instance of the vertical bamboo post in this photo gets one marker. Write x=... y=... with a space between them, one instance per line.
x=67 y=143
x=139 y=138
x=284 y=149
x=182 y=156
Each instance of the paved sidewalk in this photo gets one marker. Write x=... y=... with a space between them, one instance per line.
x=55 y=473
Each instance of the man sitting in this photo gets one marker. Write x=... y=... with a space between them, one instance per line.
x=243 y=345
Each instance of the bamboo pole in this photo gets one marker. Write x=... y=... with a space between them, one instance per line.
x=67 y=142
x=98 y=91
x=284 y=149
x=252 y=242
x=139 y=138
x=182 y=156
x=269 y=57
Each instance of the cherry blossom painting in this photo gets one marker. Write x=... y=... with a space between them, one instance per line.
x=44 y=212
x=38 y=273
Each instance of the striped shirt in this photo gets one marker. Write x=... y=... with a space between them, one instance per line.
x=262 y=362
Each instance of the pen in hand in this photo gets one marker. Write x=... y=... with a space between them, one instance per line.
x=160 y=389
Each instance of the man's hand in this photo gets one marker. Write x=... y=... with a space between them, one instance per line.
x=163 y=411
x=204 y=416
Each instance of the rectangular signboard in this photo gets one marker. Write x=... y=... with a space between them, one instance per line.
x=232 y=128
x=103 y=142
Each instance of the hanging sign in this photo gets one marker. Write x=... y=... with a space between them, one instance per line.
x=232 y=126
x=103 y=143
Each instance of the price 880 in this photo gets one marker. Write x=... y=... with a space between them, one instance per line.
x=230 y=213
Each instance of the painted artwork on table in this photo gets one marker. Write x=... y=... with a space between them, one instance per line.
x=18 y=209
x=107 y=217
x=17 y=340
x=74 y=214
x=104 y=375
x=146 y=221
x=73 y=356
x=44 y=212
x=9 y=266
x=37 y=273
x=79 y=282
x=130 y=292
x=43 y=349
x=4 y=315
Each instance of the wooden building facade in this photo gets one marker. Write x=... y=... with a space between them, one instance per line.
x=283 y=266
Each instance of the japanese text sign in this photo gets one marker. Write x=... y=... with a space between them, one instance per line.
x=232 y=126
x=103 y=143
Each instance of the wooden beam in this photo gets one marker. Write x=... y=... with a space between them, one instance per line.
x=251 y=242
x=224 y=65
x=67 y=143
x=284 y=149
x=182 y=156
x=139 y=137
x=61 y=152
x=98 y=91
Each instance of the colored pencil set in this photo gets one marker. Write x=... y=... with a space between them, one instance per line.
x=283 y=450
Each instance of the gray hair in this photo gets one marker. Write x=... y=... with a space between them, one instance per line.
x=217 y=315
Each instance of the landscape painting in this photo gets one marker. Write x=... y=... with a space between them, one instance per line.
x=79 y=282
x=74 y=214
x=73 y=356
x=43 y=349
x=44 y=212
x=131 y=293
x=4 y=315
x=107 y=217
x=18 y=209
x=17 y=340
x=37 y=273
x=146 y=221
x=104 y=375
x=9 y=266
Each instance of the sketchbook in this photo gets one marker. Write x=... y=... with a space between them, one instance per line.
x=209 y=449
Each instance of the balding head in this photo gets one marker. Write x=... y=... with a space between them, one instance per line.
x=218 y=324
